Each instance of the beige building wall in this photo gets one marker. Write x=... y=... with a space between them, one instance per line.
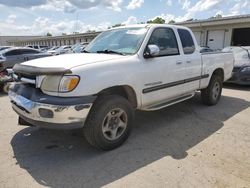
x=224 y=27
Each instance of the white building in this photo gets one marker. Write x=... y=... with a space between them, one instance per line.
x=6 y=40
x=54 y=40
x=218 y=33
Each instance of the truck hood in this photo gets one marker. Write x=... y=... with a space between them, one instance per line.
x=68 y=61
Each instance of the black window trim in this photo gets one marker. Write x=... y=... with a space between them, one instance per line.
x=165 y=54
x=181 y=41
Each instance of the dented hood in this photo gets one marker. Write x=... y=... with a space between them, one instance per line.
x=62 y=64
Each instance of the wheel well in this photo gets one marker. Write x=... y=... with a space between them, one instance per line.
x=219 y=72
x=124 y=91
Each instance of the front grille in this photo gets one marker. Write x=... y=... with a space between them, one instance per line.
x=25 y=78
x=21 y=75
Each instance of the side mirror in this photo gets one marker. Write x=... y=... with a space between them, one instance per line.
x=152 y=51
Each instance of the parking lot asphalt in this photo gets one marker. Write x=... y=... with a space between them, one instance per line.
x=185 y=145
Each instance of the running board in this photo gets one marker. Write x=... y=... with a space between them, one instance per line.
x=169 y=102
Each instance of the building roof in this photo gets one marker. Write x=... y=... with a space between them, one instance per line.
x=217 y=21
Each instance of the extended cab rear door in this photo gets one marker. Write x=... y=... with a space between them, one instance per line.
x=191 y=59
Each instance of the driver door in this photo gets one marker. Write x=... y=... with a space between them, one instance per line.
x=164 y=73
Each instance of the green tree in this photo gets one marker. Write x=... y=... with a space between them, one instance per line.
x=216 y=16
x=171 y=22
x=91 y=31
x=49 y=34
x=157 y=20
x=117 y=25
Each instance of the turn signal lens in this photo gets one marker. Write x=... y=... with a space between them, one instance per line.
x=68 y=83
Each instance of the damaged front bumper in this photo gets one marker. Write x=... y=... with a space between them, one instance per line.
x=39 y=109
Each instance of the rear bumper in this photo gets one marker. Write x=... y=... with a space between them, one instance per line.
x=47 y=111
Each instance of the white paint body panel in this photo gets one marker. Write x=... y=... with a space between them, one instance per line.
x=101 y=71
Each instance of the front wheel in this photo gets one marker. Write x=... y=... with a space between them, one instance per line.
x=109 y=122
x=211 y=95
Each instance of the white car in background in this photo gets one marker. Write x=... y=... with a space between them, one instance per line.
x=241 y=71
x=38 y=47
x=79 y=47
x=52 y=50
x=62 y=50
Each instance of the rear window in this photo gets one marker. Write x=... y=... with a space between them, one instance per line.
x=186 y=41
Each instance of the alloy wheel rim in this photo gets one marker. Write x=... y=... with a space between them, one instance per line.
x=114 y=124
x=216 y=91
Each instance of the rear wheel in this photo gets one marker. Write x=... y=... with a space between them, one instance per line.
x=211 y=95
x=109 y=122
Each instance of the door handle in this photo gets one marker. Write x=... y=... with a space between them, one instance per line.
x=178 y=62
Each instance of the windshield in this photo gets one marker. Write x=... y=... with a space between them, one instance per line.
x=124 y=41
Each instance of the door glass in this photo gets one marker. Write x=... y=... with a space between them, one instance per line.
x=165 y=39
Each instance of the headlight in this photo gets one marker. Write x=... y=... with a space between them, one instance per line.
x=245 y=69
x=60 y=84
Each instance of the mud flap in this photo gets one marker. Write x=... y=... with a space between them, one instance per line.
x=23 y=122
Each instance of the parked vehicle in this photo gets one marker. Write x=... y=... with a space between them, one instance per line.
x=52 y=50
x=144 y=67
x=62 y=50
x=79 y=47
x=11 y=56
x=241 y=70
x=38 y=47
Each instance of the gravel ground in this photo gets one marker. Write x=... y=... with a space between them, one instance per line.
x=185 y=145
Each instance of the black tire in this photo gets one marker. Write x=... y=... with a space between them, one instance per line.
x=93 y=128
x=6 y=87
x=209 y=96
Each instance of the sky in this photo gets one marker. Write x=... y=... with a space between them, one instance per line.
x=38 y=17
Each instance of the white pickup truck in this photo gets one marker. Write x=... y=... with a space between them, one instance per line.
x=145 y=67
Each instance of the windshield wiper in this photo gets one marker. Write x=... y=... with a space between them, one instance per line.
x=110 y=52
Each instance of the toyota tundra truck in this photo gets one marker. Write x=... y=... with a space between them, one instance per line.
x=143 y=67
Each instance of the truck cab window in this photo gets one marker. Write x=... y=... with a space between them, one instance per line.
x=165 y=39
x=186 y=41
